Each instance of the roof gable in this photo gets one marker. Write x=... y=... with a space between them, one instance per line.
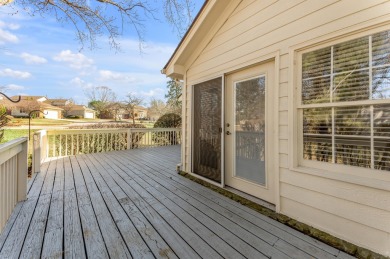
x=206 y=24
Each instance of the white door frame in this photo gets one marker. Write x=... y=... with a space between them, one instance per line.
x=267 y=191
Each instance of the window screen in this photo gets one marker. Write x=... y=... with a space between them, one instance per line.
x=345 y=103
x=207 y=129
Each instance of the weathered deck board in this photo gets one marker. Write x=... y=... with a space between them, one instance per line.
x=310 y=246
x=132 y=204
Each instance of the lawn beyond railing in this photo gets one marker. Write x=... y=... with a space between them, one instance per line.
x=55 y=143
x=13 y=176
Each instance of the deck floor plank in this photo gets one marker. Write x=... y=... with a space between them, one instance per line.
x=93 y=240
x=254 y=235
x=132 y=204
x=53 y=239
x=141 y=238
x=295 y=238
x=36 y=232
x=188 y=219
x=73 y=233
x=115 y=244
x=140 y=209
x=147 y=202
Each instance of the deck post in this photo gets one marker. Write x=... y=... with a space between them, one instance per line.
x=22 y=172
x=40 y=149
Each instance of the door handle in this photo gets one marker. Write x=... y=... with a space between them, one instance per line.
x=228 y=133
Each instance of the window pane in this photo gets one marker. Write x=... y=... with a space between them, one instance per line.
x=317 y=148
x=382 y=120
x=382 y=154
x=316 y=63
x=316 y=90
x=317 y=121
x=250 y=129
x=353 y=151
x=317 y=141
x=351 y=55
x=351 y=86
x=381 y=48
x=381 y=83
x=352 y=120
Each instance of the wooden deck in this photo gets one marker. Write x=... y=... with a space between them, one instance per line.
x=132 y=204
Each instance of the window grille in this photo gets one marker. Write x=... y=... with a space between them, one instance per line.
x=345 y=103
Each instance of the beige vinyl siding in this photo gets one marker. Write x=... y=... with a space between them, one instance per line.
x=256 y=29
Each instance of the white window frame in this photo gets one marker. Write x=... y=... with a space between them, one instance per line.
x=326 y=169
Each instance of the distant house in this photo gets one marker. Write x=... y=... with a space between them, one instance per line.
x=58 y=102
x=72 y=109
x=289 y=101
x=139 y=112
x=81 y=111
x=29 y=103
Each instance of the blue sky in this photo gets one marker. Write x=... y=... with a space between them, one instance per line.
x=39 y=56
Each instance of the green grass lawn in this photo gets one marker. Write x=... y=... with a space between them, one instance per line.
x=10 y=134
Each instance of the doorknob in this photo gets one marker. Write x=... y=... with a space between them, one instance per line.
x=228 y=133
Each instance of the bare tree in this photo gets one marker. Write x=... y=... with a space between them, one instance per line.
x=115 y=109
x=157 y=108
x=92 y=19
x=130 y=105
x=100 y=98
x=174 y=9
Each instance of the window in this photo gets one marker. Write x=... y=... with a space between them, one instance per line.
x=345 y=103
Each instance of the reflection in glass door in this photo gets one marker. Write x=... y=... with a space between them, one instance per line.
x=249 y=129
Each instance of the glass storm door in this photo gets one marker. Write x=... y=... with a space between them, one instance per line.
x=207 y=131
x=247 y=131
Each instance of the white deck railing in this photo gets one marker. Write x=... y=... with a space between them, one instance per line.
x=54 y=143
x=13 y=176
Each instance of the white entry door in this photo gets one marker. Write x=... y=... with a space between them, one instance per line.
x=248 y=131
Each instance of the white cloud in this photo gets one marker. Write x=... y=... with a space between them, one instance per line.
x=11 y=26
x=14 y=73
x=6 y=36
x=13 y=87
x=74 y=60
x=80 y=82
x=32 y=59
x=153 y=92
x=107 y=75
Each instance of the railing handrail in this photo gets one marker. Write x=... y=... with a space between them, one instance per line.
x=103 y=130
x=13 y=176
x=6 y=147
x=12 y=143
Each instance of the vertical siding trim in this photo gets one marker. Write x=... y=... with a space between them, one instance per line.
x=276 y=130
x=183 y=123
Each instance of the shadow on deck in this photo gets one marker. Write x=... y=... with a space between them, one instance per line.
x=132 y=204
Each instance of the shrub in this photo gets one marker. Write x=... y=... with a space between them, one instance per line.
x=73 y=117
x=169 y=120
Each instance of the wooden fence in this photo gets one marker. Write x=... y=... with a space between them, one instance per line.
x=13 y=176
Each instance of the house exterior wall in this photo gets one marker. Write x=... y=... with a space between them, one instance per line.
x=52 y=114
x=16 y=112
x=356 y=209
x=89 y=115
